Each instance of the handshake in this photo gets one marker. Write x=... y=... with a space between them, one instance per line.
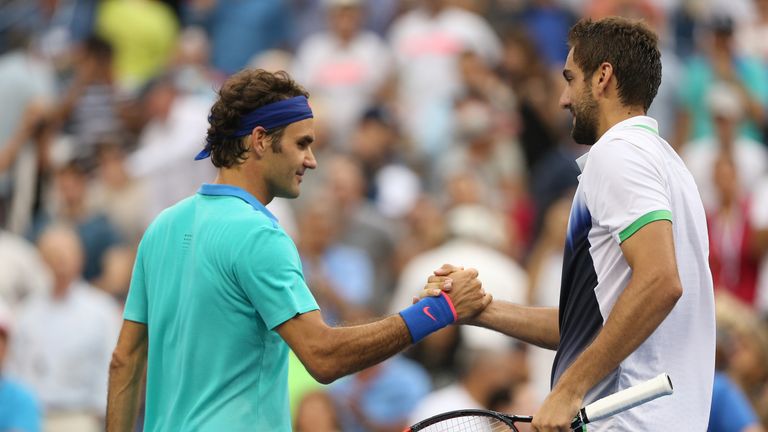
x=452 y=295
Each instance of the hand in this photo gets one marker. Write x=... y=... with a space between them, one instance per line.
x=467 y=294
x=557 y=412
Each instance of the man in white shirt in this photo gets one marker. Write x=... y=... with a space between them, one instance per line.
x=427 y=43
x=636 y=296
x=344 y=68
x=63 y=340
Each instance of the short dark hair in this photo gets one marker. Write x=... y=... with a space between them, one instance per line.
x=629 y=46
x=242 y=93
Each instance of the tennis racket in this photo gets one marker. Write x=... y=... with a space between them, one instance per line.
x=477 y=420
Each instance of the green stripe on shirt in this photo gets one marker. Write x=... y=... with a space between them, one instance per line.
x=647 y=127
x=643 y=221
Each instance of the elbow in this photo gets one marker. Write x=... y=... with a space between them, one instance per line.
x=323 y=370
x=324 y=376
x=319 y=360
x=671 y=290
x=117 y=362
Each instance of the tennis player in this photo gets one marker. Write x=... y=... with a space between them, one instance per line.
x=217 y=294
x=636 y=297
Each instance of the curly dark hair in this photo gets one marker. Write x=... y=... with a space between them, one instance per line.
x=242 y=93
x=629 y=46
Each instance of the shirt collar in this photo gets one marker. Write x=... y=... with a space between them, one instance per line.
x=644 y=122
x=229 y=190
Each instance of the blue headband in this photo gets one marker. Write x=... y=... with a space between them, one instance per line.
x=269 y=117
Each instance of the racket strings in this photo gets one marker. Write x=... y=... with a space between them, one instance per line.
x=470 y=424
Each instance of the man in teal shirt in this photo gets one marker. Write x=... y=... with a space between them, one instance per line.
x=218 y=295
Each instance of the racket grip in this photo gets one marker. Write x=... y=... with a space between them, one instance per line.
x=624 y=400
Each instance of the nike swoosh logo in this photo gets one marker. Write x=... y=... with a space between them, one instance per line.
x=426 y=312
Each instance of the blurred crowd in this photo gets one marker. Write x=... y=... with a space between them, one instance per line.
x=439 y=140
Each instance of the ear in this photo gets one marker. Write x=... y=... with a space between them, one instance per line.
x=259 y=141
x=603 y=78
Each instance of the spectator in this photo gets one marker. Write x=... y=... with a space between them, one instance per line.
x=750 y=156
x=172 y=132
x=240 y=30
x=64 y=339
x=731 y=411
x=316 y=413
x=190 y=64
x=380 y=398
x=363 y=226
x=19 y=409
x=485 y=381
x=759 y=217
x=24 y=78
x=143 y=34
x=340 y=276
x=427 y=42
x=344 y=67
x=752 y=35
x=70 y=206
x=88 y=110
x=720 y=62
x=732 y=256
x=746 y=351
x=118 y=195
x=536 y=93
x=24 y=273
x=376 y=143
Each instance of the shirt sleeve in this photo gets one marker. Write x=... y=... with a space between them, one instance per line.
x=269 y=271
x=624 y=188
x=136 y=303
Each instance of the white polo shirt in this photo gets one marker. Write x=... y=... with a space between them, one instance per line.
x=632 y=177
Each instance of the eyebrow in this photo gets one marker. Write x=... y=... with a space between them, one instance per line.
x=305 y=140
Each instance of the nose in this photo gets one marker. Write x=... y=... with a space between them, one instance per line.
x=309 y=160
x=565 y=99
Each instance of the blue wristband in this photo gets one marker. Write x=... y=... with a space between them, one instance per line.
x=428 y=315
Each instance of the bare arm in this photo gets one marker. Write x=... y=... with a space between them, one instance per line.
x=329 y=353
x=650 y=295
x=126 y=374
x=535 y=325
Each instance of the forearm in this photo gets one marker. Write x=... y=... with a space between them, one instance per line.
x=535 y=325
x=339 y=351
x=123 y=398
x=635 y=316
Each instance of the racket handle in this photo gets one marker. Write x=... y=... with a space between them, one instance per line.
x=624 y=400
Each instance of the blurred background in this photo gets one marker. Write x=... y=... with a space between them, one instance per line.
x=440 y=140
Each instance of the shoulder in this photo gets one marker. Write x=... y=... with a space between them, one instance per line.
x=625 y=146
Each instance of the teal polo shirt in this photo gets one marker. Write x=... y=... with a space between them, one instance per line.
x=214 y=275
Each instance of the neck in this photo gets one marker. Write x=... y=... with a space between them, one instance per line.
x=614 y=115
x=237 y=176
